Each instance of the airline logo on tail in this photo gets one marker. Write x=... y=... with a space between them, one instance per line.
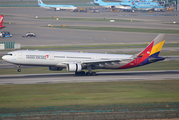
x=40 y=2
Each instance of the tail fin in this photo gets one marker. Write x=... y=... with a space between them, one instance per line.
x=1 y=19
x=154 y=48
x=40 y=2
x=98 y=1
x=132 y=2
x=149 y=54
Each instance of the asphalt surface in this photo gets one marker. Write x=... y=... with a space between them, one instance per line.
x=23 y=20
x=100 y=77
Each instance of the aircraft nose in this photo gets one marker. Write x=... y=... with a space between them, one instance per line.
x=4 y=57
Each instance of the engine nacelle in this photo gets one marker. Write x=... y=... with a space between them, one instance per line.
x=73 y=67
x=57 y=8
x=55 y=68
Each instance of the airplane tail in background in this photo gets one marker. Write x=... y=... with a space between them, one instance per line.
x=40 y=2
x=1 y=21
x=132 y=2
x=98 y=1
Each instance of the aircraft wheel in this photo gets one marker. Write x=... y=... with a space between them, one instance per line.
x=88 y=74
x=19 y=70
x=77 y=73
x=93 y=73
x=82 y=72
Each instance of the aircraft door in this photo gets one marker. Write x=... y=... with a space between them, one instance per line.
x=51 y=56
x=19 y=55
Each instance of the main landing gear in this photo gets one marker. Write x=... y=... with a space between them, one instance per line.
x=89 y=73
x=19 y=70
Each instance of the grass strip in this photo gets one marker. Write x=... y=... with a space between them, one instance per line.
x=163 y=65
x=142 y=30
x=85 y=47
x=103 y=93
x=89 y=19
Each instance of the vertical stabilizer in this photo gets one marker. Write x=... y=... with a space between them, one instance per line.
x=154 y=48
x=98 y=1
x=1 y=19
x=40 y=2
x=149 y=54
x=1 y=22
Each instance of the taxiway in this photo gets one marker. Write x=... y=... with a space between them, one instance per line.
x=100 y=77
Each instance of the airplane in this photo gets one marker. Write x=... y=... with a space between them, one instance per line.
x=1 y=22
x=76 y=62
x=111 y=5
x=142 y=5
x=145 y=5
x=56 y=7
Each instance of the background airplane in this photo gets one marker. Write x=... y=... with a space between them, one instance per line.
x=76 y=62
x=131 y=5
x=56 y=7
x=145 y=5
x=1 y=22
x=111 y=5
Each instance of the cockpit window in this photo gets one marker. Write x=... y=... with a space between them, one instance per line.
x=9 y=54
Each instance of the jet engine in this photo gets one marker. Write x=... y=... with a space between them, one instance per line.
x=74 y=67
x=57 y=9
x=55 y=68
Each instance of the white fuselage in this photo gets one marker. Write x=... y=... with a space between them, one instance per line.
x=61 y=59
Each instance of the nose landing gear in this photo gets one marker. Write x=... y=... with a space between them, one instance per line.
x=18 y=70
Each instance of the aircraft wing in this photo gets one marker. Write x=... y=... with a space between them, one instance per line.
x=93 y=62
x=56 y=8
x=99 y=61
